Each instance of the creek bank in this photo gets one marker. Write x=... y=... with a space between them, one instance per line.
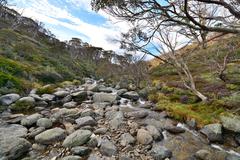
x=97 y=122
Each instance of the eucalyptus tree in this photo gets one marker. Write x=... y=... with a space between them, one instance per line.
x=156 y=26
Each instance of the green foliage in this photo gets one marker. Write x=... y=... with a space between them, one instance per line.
x=166 y=89
x=48 y=89
x=21 y=106
x=11 y=67
x=9 y=81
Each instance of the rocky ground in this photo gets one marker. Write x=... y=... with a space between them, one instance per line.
x=96 y=122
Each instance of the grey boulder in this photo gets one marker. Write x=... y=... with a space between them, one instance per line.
x=144 y=137
x=104 y=97
x=231 y=123
x=154 y=132
x=86 y=121
x=44 y=122
x=70 y=104
x=61 y=94
x=132 y=95
x=117 y=120
x=50 y=136
x=213 y=132
x=30 y=120
x=137 y=114
x=12 y=131
x=108 y=148
x=160 y=152
x=127 y=139
x=80 y=96
x=8 y=99
x=13 y=148
x=81 y=150
x=77 y=138
x=71 y=158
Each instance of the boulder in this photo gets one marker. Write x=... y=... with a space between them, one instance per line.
x=231 y=123
x=174 y=129
x=12 y=131
x=48 y=97
x=64 y=112
x=30 y=120
x=13 y=148
x=77 y=138
x=137 y=114
x=120 y=92
x=144 y=137
x=35 y=132
x=127 y=139
x=203 y=154
x=117 y=120
x=66 y=99
x=61 y=94
x=85 y=121
x=44 y=122
x=28 y=100
x=8 y=99
x=92 y=87
x=108 y=148
x=101 y=131
x=24 y=103
x=160 y=152
x=132 y=95
x=157 y=136
x=70 y=104
x=41 y=104
x=50 y=136
x=80 y=96
x=94 y=156
x=71 y=158
x=81 y=150
x=87 y=112
x=104 y=97
x=36 y=97
x=105 y=89
x=213 y=132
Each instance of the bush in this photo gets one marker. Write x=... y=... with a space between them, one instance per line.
x=48 y=89
x=8 y=81
x=166 y=89
x=21 y=106
x=48 y=77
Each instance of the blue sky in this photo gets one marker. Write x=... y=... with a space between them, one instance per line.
x=74 y=18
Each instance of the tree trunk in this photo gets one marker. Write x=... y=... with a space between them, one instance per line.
x=200 y=95
x=187 y=78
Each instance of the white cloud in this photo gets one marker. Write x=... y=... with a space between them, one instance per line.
x=83 y=4
x=98 y=35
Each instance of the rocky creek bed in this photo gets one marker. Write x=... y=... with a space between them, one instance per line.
x=96 y=122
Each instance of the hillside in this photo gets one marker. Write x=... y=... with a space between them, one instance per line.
x=203 y=64
x=31 y=56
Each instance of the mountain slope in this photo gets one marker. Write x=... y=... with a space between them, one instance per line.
x=203 y=63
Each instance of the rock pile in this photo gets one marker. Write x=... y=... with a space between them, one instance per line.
x=96 y=122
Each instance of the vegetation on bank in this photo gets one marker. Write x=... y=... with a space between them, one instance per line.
x=224 y=97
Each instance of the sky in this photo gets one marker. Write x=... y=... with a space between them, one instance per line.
x=74 y=18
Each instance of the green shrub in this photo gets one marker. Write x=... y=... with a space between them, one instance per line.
x=166 y=89
x=48 y=89
x=8 y=81
x=48 y=77
x=21 y=106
